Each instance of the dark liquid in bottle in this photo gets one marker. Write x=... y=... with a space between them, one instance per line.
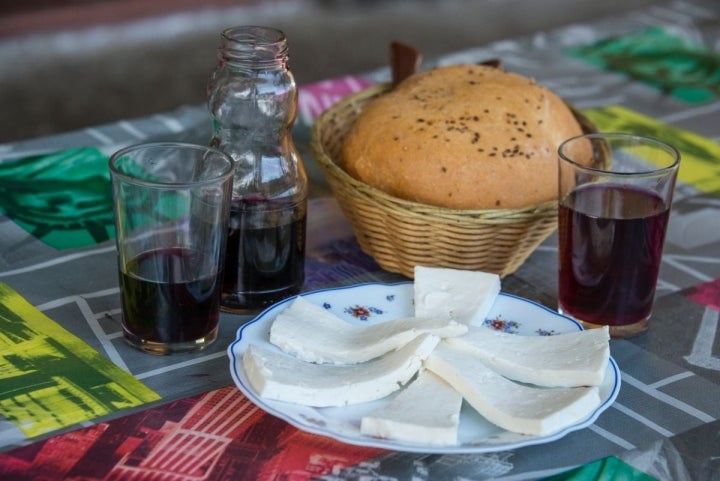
x=610 y=240
x=265 y=257
x=164 y=302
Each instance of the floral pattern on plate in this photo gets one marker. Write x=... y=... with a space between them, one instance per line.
x=500 y=324
x=512 y=327
x=361 y=312
x=383 y=306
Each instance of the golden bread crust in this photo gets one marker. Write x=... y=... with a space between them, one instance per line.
x=462 y=137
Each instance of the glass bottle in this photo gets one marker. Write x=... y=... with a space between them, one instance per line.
x=252 y=99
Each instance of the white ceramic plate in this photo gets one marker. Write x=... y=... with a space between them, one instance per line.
x=374 y=303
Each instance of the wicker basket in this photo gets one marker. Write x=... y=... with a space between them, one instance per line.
x=401 y=234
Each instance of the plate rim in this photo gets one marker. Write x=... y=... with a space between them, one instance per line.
x=394 y=445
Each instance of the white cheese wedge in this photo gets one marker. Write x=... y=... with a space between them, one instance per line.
x=507 y=404
x=275 y=375
x=314 y=334
x=463 y=296
x=561 y=360
x=427 y=411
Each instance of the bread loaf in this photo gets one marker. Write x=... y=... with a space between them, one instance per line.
x=462 y=137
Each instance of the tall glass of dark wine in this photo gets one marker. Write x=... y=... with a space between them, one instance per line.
x=172 y=204
x=615 y=194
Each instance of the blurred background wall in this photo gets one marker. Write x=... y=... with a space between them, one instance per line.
x=67 y=64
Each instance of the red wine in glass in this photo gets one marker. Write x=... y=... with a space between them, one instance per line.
x=165 y=301
x=610 y=242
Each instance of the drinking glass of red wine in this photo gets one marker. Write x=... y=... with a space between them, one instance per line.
x=615 y=193
x=172 y=203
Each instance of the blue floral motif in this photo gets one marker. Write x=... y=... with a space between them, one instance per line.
x=545 y=332
x=327 y=305
x=390 y=297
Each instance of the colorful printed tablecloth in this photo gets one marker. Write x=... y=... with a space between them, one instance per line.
x=77 y=402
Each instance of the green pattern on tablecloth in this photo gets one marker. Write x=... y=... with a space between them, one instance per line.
x=659 y=58
x=63 y=198
x=607 y=469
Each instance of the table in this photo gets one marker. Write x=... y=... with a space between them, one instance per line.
x=76 y=401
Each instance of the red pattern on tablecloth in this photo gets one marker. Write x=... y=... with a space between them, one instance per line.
x=707 y=293
x=214 y=436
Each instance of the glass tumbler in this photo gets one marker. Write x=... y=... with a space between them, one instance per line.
x=171 y=204
x=615 y=193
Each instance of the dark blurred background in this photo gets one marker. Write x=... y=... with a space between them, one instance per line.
x=67 y=64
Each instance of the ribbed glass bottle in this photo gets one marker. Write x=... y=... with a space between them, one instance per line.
x=252 y=100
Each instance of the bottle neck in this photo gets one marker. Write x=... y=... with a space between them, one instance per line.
x=254 y=47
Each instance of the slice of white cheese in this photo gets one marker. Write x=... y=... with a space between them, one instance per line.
x=312 y=333
x=463 y=296
x=562 y=360
x=427 y=411
x=275 y=375
x=507 y=404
